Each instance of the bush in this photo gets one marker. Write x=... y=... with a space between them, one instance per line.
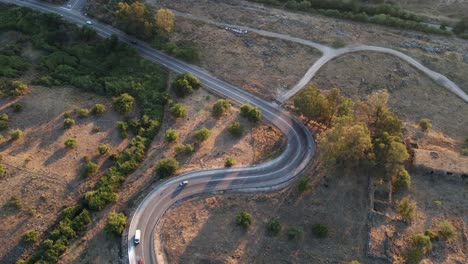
x=171 y=135
x=433 y=236
x=70 y=143
x=115 y=224
x=274 y=226
x=236 y=129
x=68 y=123
x=123 y=103
x=166 y=167
x=303 y=184
x=402 y=180
x=244 y=219
x=123 y=129
x=202 y=134
x=220 y=107
x=83 y=112
x=185 y=84
x=98 y=109
x=355 y=262
x=413 y=256
x=103 y=149
x=18 y=88
x=31 y=236
x=16 y=134
x=446 y=230
x=406 y=209
x=15 y=203
x=425 y=124
x=4 y=117
x=17 y=107
x=295 y=233
x=464 y=152
x=251 y=113
x=177 y=111
x=3 y=170
x=90 y=168
x=320 y=230
x=3 y=125
x=182 y=149
x=421 y=242
x=229 y=162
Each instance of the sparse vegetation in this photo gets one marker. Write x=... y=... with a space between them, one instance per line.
x=98 y=109
x=83 y=113
x=123 y=103
x=17 y=107
x=90 y=169
x=295 y=233
x=68 y=123
x=3 y=170
x=123 y=129
x=446 y=230
x=103 y=149
x=3 y=125
x=320 y=230
x=4 y=117
x=30 y=236
x=244 y=220
x=171 y=135
x=16 y=134
x=236 y=129
x=166 y=167
x=184 y=149
x=303 y=184
x=178 y=111
x=425 y=124
x=15 y=203
x=17 y=88
x=115 y=224
x=229 y=162
x=220 y=107
x=402 y=181
x=202 y=134
x=406 y=209
x=71 y=143
x=274 y=226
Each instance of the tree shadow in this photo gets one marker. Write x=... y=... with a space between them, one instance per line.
x=56 y=156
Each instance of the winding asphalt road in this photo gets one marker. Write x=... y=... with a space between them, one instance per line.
x=268 y=176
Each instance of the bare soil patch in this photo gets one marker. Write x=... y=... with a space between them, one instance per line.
x=208 y=232
x=42 y=174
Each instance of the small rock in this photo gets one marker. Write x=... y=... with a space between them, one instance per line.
x=434 y=155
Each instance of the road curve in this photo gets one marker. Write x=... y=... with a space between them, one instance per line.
x=267 y=176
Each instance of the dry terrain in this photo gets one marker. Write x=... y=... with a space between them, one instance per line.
x=210 y=235
x=259 y=142
x=42 y=174
x=438 y=9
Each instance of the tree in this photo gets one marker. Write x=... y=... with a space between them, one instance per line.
x=446 y=230
x=274 y=226
x=250 y=112
x=115 y=224
x=165 y=20
x=68 y=123
x=70 y=143
x=123 y=103
x=320 y=230
x=90 y=168
x=166 y=167
x=16 y=134
x=83 y=113
x=295 y=233
x=229 y=162
x=136 y=18
x=244 y=219
x=3 y=125
x=236 y=129
x=421 y=242
x=4 y=117
x=220 y=107
x=185 y=84
x=103 y=149
x=177 y=111
x=30 y=236
x=202 y=134
x=425 y=124
x=182 y=149
x=98 y=109
x=406 y=209
x=402 y=181
x=171 y=135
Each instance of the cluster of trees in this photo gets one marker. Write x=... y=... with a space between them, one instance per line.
x=382 y=13
x=252 y=113
x=366 y=135
x=185 y=84
x=115 y=224
x=12 y=64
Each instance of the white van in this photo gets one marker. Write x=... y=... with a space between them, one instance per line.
x=137 y=236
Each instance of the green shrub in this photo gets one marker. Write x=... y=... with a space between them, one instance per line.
x=406 y=209
x=295 y=233
x=185 y=84
x=182 y=149
x=220 y=107
x=202 y=134
x=66 y=115
x=17 y=107
x=15 y=203
x=402 y=180
x=425 y=124
x=446 y=230
x=320 y=230
x=303 y=184
x=229 y=162
x=103 y=149
x=250 y=112
x=236 y=129
x=16 y=134
x=18 y=88
x=31 y=236
x=83 y=112
x=98 y=109
x=171 y=135
x=90 y=168
x=123 y=103
x=421 y=242
x=4 y=117
x=70 y=143
x=433 y=236
x=244 y=219
x=355 y=262
x=338 y=43
x=274 y=226
x=464 y=152
x=115 y=224
x=3 y=125
x=68 y=123
x=166 y=167
x=413 y=256
x=3 y=170
x=123 y=129
x=178 y=111
x=438 y=203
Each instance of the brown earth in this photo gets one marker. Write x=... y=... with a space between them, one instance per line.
x=41 y=172
x=258 y=143
x=210 y=235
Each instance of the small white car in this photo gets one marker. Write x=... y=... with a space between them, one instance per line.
x=89 y=22
x=183 y=183
x=69 y=6
x=137 y=237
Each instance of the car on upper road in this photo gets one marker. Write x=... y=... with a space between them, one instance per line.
x=89 y=22
x=137 y=237
x=183 y=183
x=69 y=6
x=133 y=42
